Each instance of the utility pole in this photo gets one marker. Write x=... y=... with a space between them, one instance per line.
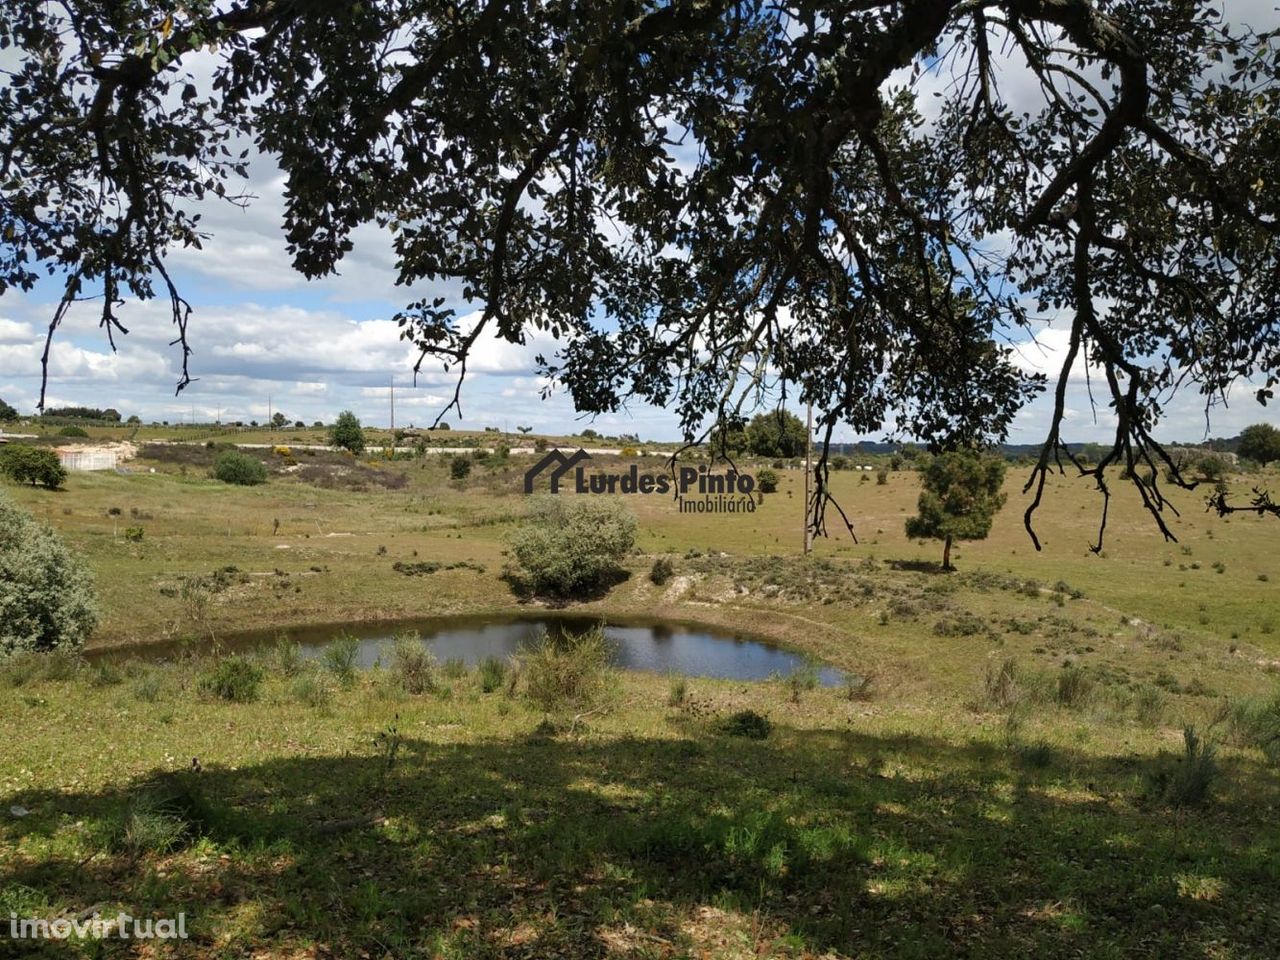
x=393 y=410
x=269 y=426
x=808 y=479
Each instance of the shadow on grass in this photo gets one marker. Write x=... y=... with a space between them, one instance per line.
x=817 y=841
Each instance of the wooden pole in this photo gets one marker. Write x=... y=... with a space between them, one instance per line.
x=808 y=479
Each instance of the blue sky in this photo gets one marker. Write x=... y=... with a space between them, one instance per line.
x=264 y=337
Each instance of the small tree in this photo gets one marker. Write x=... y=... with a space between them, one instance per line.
x=959 y=500
x=7 y=412
x=279 y=420
x=38 y=466
x=570 y=545
x=347 y=433
x=46 y=592
x=460 y=468
x=240 y=469
x=767 y=481
x=1260 y=442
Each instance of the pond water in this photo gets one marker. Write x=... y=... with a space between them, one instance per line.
x=694 y=651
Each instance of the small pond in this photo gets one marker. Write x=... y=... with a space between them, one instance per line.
x=638 y=645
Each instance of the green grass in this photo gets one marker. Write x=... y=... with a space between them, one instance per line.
x=465 y=825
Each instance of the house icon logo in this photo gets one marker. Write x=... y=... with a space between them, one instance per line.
x=559 y=465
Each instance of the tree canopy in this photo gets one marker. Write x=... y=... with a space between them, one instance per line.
x=703 y=201
x=1260 y=442
x=346 y=432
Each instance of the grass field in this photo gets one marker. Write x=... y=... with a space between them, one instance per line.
x=929 y=813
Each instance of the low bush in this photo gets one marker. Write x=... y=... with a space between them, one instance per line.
x=240 y=469
x=1000 y=687
x=677 y=690
x=767 y=481
x=285 y=657
x=412 y=664
x=1074 y=686
x=1255 y=722
x=47 y=599
x=339 y=658
x=76 y=432
x=567 y=670
x=311 y=690
x=661 y=571
x=459 y=468
x=233 y=679
x=1188 y=780
x=746 y=723
x=570 y=546
x=493 y=672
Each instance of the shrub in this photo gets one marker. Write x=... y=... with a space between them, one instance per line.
x=767 y=481
x=567 y=547
x=1186 y=781
x=240 y=469
x=1255 y=722
x=459 y=468
x=232 y=678
x=311 y=690
x=134 y=534
x=746 y=723
x=566 y=670
x=661 y=571
x=455 y=668
x=37 y=466
x=412 y=664
x=802 y=679
x=77 y=432
x=340 y=657
x=492 y=674
x=148 y=684
x=46 y=592
x=1074 y=686
x=285 y=657
x=1149 y=704
x=882 y=477
x=1000 y=688
x=677 y=690
x=858 y=688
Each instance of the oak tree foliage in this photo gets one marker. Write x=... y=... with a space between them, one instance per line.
x=703 y=201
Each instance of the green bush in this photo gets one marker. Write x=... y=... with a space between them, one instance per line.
x=746 y=723
x=661 y=571
x=232 y=678
x=310 y=690
x=767 y=481
x=1074 y=686
x=240 y=469
x=1185 y=781
x=77 y=432
x=37 y=466
x=459 y=468
x=569 y=546
x=285 y=657
x=340 y=657
x=493 y=672
x=412 y=664
x=46 y=592
x=567 y=671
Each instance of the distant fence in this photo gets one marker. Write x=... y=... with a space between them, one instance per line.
x=83 y=460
